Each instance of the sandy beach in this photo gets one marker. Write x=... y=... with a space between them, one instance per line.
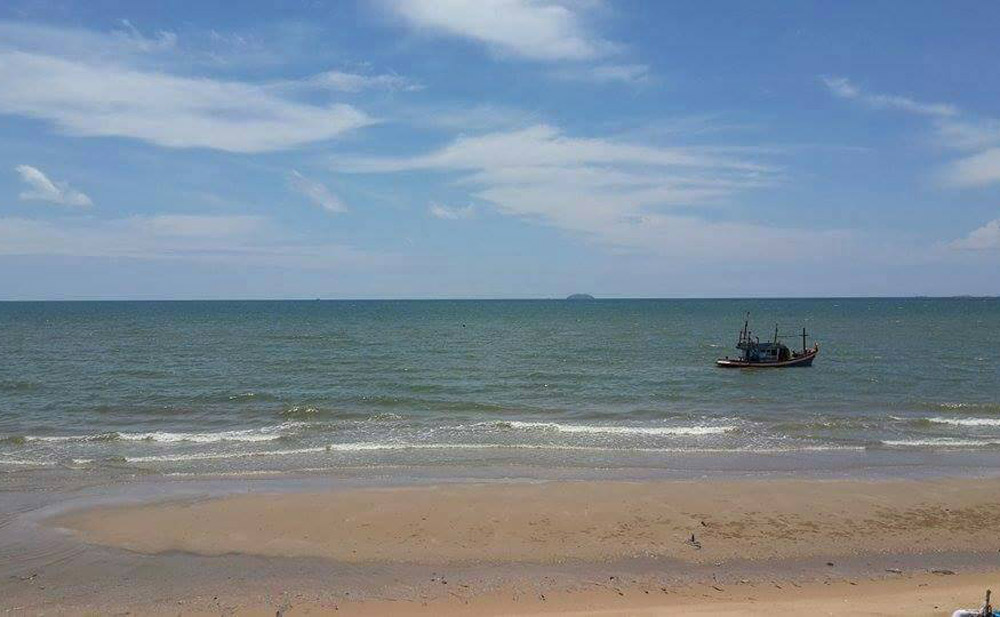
x=887 y=547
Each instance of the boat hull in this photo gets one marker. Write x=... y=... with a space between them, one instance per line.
x=805 y=359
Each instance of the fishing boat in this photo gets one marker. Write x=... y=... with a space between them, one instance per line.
x=769 y=354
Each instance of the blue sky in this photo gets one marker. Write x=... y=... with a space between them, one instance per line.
x=498 y=148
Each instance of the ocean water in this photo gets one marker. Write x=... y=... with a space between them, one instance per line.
x=188 y=388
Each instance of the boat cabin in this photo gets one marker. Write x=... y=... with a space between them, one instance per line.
x=765 y=352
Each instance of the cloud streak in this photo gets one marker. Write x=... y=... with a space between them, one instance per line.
x=616 y=193
x=343 y=81
x=628 y=74
x=845 y=89
x=316 y=192
x=531 y=29
x=451 y=214
x=40 y=188
x=177 y=112
x=955 y=130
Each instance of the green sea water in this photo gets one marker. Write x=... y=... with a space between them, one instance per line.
x=247 y=387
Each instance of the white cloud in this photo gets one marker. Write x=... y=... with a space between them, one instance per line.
x=163 y=41
x=986 y=237
x=534 y=29
x=356 y=82
x=617 y=193
x=954 y=130
x=126 y=41
x=451 y=214
x=844 y=88
x=543 y=145
x=969 y=133
x=977 y=170
x=112 y=100
x=315 y=192
x=630 y=74
x=40 y=188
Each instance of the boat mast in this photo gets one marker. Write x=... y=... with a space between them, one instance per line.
x=745 y=338
x=803 y=338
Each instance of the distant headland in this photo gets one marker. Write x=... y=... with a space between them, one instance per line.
x=580 y=297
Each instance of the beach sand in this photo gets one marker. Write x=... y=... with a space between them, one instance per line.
x=610 y=548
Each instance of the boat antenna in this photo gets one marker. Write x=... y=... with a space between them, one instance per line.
x=803 y=338
x=775 y=334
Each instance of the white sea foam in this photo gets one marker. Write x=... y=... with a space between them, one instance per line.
x=967 y=421
x=265 y=433
x=369 y=446
x=621 y=430
x=19 y=462
x=940 y=442
x=209 y=456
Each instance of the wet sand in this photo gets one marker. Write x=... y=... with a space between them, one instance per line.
x=767 y=547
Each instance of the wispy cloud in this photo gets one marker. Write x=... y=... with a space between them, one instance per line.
x=955 y=129
x=533 y=29
x=844 y=88
x=40 y=188
x=984 y=238
x=977 y=170
x=240 y=240
x=344 y=81
x=163 y=40
x=544 y=145
x=86 y=83
x=316 y=192
x=110 y=100
x=629 y=74
x=451 y=214
x=616 y=193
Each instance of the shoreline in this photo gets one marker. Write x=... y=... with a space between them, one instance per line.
x=534 y=548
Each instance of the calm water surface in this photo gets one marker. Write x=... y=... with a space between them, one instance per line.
x=238 y=387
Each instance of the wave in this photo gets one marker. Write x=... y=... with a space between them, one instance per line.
x=940 y=442
x=597 y=429
x=966 y=421
x=16 y=462
x=266 y=433
x=381 y=446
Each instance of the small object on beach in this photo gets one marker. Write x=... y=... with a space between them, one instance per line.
x=829 y=563
x=694 y=542
x=943 y=572
x=986 y=611
x=893 y=570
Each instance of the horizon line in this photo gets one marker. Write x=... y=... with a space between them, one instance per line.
x=508 y=299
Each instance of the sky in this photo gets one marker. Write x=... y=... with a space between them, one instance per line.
x=498 y=149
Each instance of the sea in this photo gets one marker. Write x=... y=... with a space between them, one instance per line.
x=623 y=388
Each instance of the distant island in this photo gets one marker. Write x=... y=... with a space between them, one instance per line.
x=580 y=297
